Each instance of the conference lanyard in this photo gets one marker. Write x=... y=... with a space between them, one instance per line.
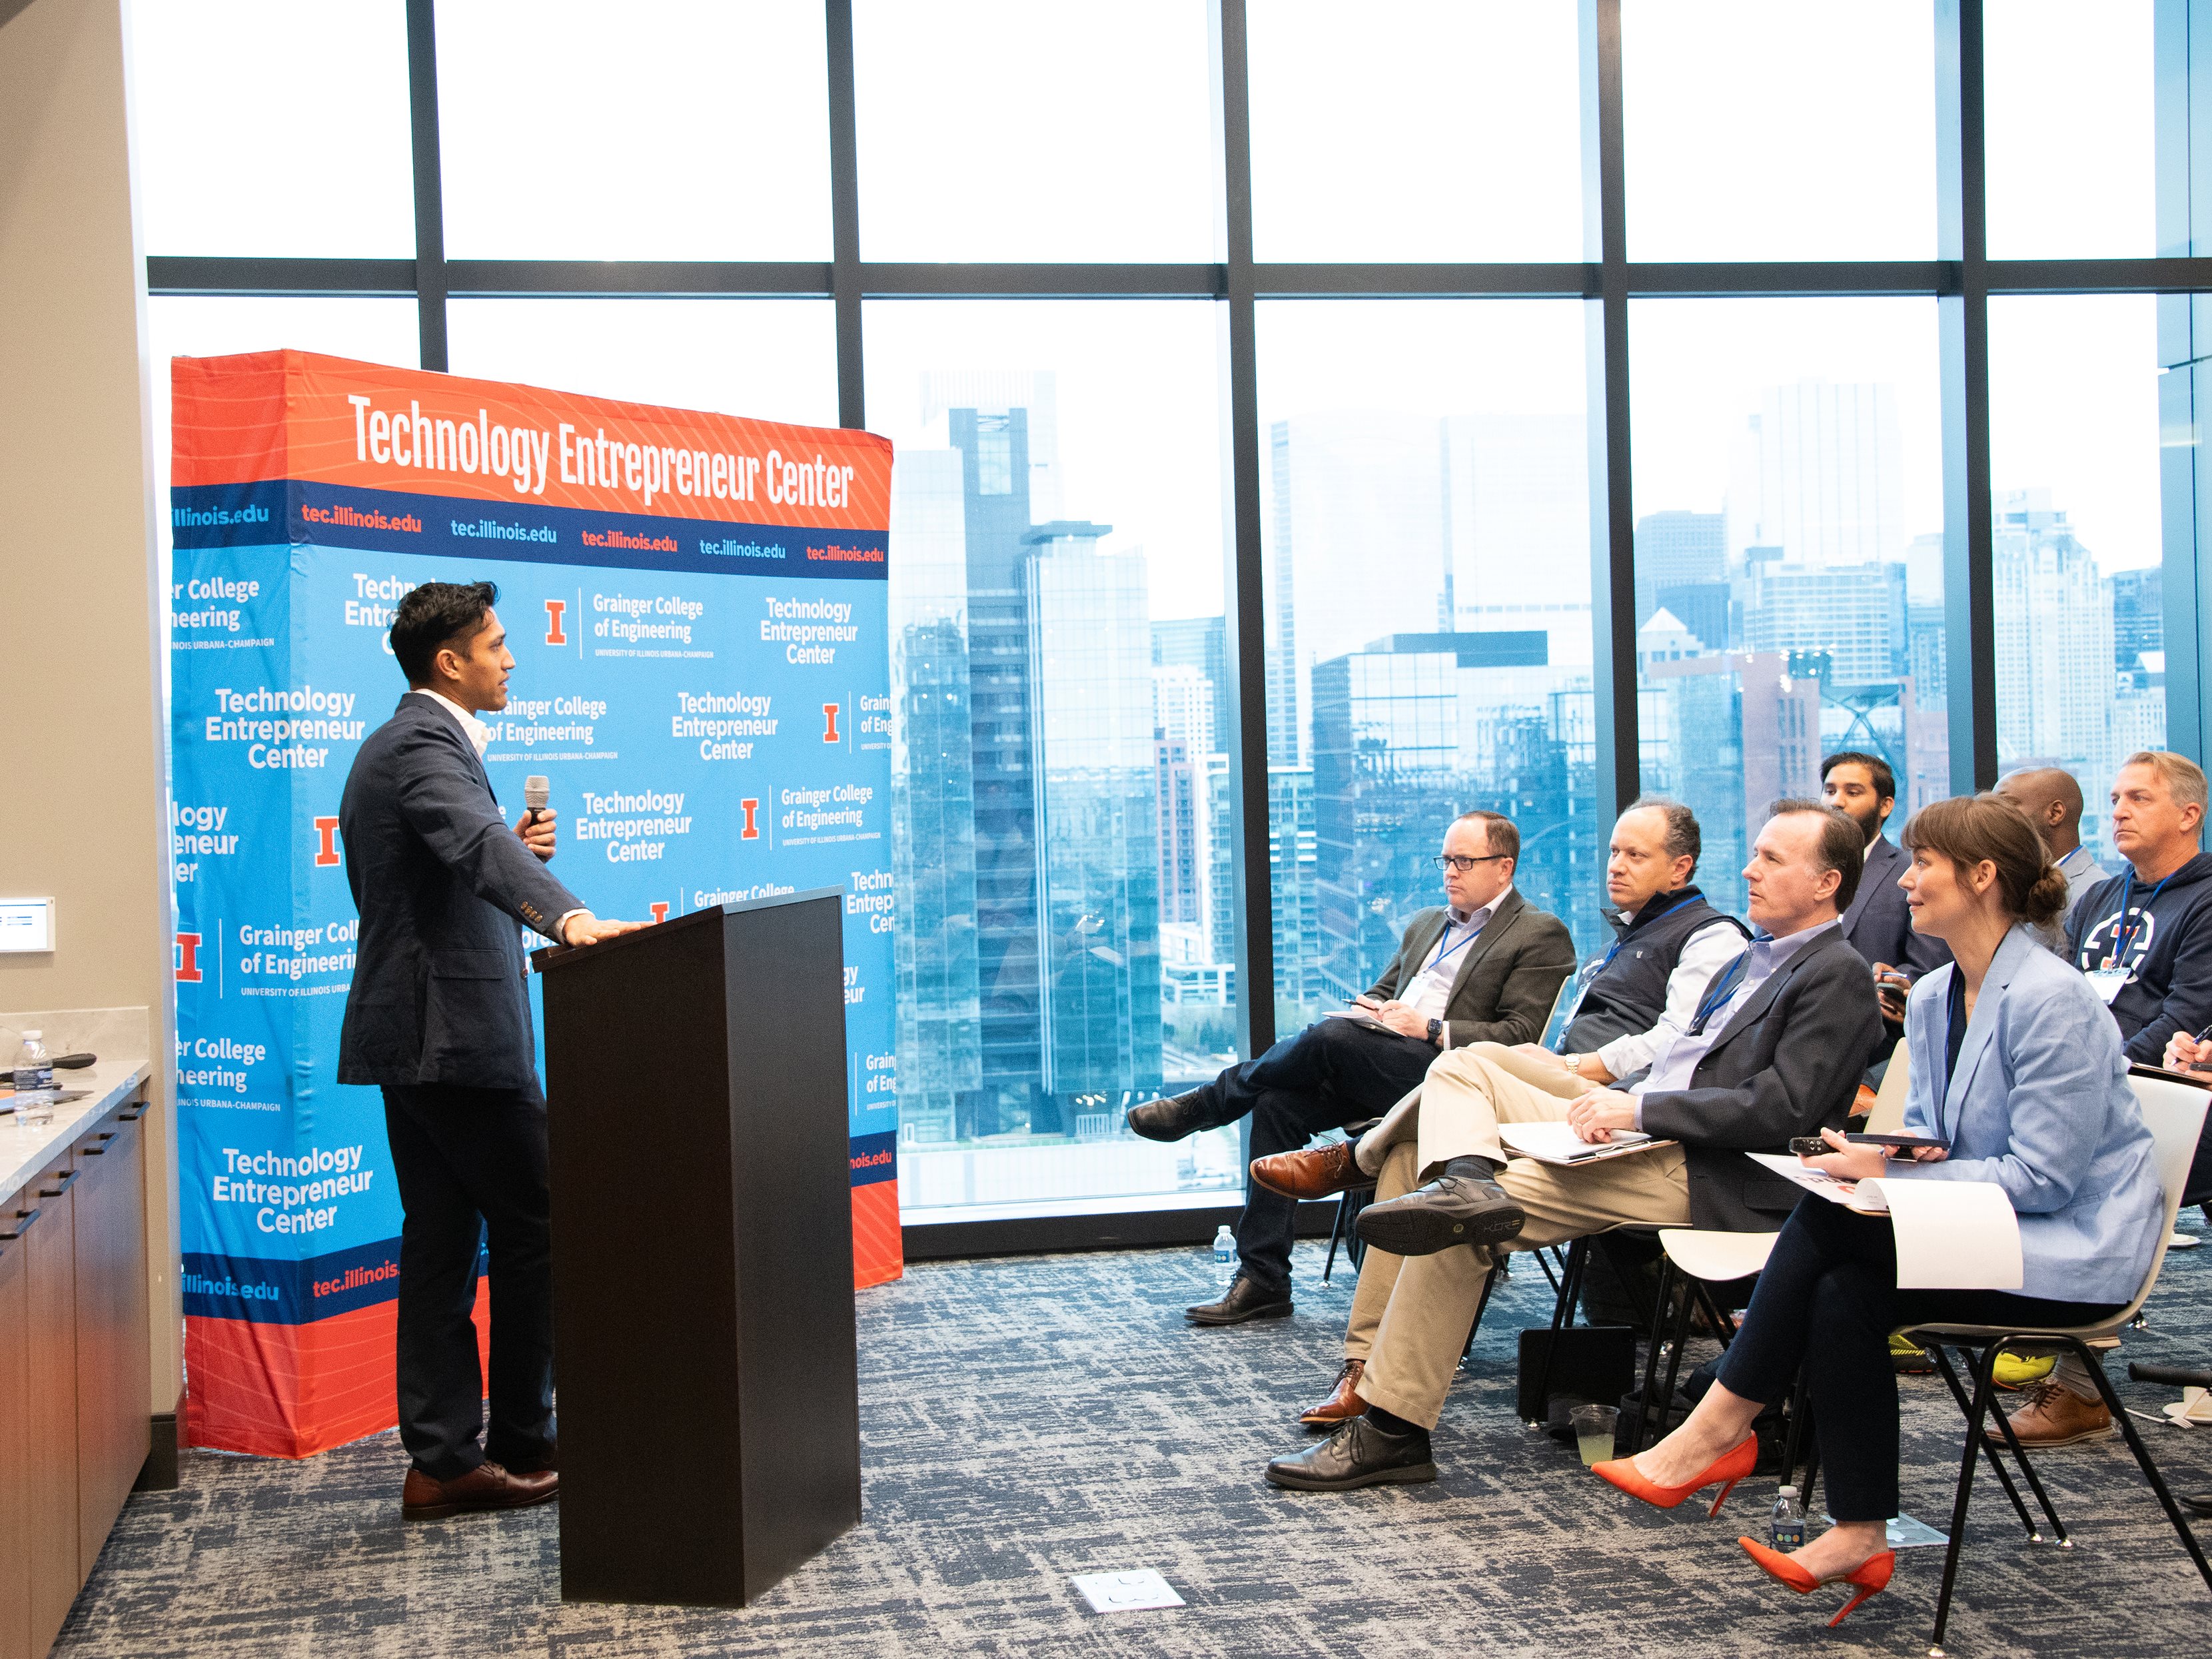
x=1717 y=993
x=2130 y=925
x=1473 y=929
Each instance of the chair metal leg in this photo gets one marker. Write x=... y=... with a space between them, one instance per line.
x=2027 y=1468
x=1662 y=1304
x=1355 y=1247
x=1794 y=1442
x=2143 y=1461
x=1997 y=1464
x=1335 y=1233
x=1489 y=1283
x=1544 y=1261
x=1984 y=1387
x=1681 y=1341
x=1563 y=1314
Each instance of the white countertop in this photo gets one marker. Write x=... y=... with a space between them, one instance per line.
x=122 y=1067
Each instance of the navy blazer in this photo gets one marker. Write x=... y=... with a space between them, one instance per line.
x=1879 y=924
x=1787 y=1063
x=2040 y=1105
x=440 y=879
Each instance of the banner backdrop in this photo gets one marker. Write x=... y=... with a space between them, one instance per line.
x=696 y=607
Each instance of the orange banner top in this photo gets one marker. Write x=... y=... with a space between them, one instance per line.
x=270 y=416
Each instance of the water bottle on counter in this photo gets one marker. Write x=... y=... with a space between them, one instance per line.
x=34 y=1082
x=1224 y=1251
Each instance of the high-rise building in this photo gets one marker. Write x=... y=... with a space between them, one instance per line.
x=1097 y=871
x=1176 y=809
x=932 y=800
x=1291 y=863
x=1677 y=550
x=1200 y=644
x=2138 y=616
x=2054 y=640
x=1855 y=613
x=1819 y=471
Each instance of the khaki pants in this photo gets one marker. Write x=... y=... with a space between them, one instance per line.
x=1410 y=1315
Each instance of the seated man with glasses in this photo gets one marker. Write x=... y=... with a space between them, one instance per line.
x=1485 y=968
x=1641 y=990
x=1773 y=1050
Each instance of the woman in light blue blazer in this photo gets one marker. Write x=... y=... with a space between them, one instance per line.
x=2017 y=1065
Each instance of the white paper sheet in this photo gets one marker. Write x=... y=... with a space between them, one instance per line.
x=1950 y=1235
x=1126 y=1592
x=1558 y=1143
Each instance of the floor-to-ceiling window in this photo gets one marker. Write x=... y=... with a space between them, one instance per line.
x=1311 y=424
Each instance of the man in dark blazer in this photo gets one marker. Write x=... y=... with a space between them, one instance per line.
x=1774 y=1049
x=1484 y=968
x=1877 y=922
x=438 y=1016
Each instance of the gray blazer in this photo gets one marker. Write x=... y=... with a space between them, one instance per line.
x=440 y=879
x=1504 y=990
x=1879 y=924
x=1787 y=1063
x=2040 y=1105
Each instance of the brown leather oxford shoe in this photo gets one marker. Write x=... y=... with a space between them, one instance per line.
x=1314 y=1172
x=1341 y=1406
x=487 y=1487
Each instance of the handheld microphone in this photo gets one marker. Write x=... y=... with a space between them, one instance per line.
x=536 y=793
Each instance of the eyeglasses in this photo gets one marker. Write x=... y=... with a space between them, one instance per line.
x=1459 y=863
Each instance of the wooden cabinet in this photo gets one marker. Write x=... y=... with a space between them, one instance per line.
x=14 y=1445
x=75 y=1402
x=45 y=1216
x=114 y=1418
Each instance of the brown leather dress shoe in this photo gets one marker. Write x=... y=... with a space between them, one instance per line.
x=2054 y=1415
x=1340 y=1405
x=1313 y=1172
x=487 y=1487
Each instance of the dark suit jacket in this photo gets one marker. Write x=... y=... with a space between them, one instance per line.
x=1880 y=926
x=1787 y=1063
x=1504 y=990
x=440 y=880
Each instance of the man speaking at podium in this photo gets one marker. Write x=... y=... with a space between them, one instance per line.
x=439 y=1016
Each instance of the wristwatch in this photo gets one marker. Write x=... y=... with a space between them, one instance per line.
x=1572 y=1062
x=1437 y=1032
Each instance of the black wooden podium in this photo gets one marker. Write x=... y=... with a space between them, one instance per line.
x=705 y=1356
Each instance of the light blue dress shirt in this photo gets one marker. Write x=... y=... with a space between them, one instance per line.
x=1676 y=1060
x=2040 y=1105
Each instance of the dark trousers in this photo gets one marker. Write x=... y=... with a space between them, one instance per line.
x=1831 y=1287
x=1332 y=1073
x=473 y=1163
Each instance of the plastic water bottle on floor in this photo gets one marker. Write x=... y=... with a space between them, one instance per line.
x=1224 y=1251
x=1785 y=1523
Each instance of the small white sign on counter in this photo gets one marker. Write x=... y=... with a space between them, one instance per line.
x=27 y=924
x=1126 y=1592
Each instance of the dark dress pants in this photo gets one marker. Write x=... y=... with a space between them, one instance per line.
x=471 y=1162
x=1332 y=1073
x=1831 y=1286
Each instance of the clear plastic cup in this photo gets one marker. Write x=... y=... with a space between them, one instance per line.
x=1594 y=1427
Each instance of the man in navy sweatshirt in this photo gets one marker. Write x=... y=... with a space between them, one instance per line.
x=2143 y=939
x=2144 y=936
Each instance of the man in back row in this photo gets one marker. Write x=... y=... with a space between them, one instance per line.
x=1484 y=968
x=1863 y=788
x=1774 y=1049
x=1669 y=943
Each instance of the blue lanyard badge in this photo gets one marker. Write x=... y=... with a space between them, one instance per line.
x=1468 y=938
x=2130 y=923
x=1717 y=993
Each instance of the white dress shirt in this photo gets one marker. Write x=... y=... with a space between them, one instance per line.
x=1430 y=991
x=478 y=732
x=1704 y=953
x=1676 y=1061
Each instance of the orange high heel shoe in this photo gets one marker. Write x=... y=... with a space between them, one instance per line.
x=1870 y=1579
x=1729 y=1468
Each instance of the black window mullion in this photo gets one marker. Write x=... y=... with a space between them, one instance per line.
x=1618 y=778
x=1244 y=621
x=1963 y=332
x=429 y=182
x=845 y=287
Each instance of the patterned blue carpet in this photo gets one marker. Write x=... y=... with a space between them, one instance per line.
x=1028 y=1419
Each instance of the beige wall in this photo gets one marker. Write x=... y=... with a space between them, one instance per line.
x=80 y=715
